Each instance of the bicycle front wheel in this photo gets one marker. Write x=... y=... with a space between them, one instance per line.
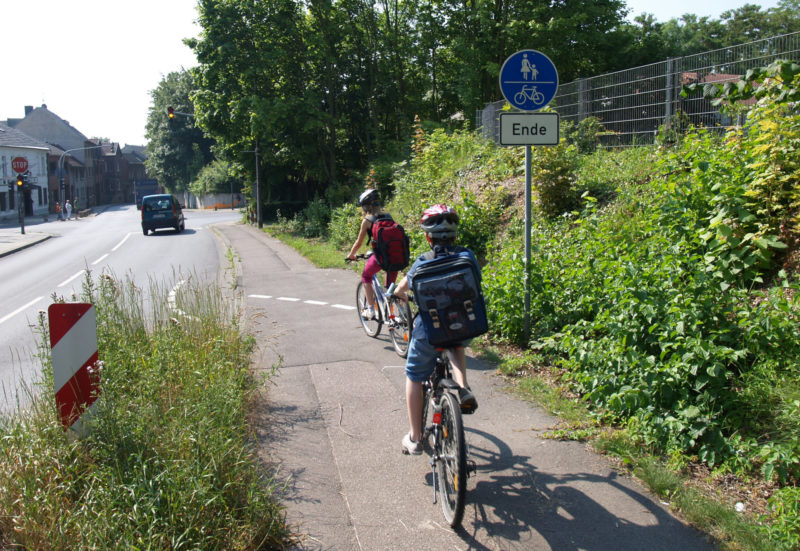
x=372 y=326
x=452 y=457
x=401 y=329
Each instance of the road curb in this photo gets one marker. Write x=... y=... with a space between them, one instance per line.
x=21 y=246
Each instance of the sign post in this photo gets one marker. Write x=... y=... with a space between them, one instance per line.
x=20 y=166
x=529 y=81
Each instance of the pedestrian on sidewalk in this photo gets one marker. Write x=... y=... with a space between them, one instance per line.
x=58 y=211
x=69 y=209
x=75 y=207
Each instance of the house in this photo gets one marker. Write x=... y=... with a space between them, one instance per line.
x=115 y=183
x=35 y=200
x=77 y=178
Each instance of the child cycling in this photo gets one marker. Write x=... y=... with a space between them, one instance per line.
x=372 y=210
x=440 y=224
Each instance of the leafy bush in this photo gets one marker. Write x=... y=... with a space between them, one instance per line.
x=783 y=523
x=553 y=171
x=344 y=225
x=647 y=305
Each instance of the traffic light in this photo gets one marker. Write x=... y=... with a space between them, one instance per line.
x=171 y=112
x=20 y=181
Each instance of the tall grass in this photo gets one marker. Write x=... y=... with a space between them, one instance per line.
x=169 y=462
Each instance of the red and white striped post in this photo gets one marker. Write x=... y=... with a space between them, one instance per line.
x=73 y=345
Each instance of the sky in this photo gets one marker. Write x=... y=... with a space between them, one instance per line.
x=94 y=63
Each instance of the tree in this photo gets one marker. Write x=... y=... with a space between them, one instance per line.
x=177 y=149
x=215 y=177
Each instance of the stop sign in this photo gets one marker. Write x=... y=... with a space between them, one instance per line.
x=19 y=164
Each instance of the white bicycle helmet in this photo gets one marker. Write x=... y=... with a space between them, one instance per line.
x=369 y=197
x=440 y=222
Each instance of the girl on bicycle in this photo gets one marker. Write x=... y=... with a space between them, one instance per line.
x=440 y=224
x=371 y=210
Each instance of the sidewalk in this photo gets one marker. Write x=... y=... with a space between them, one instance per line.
x=12 y=240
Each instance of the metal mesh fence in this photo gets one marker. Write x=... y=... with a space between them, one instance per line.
x=633 y=104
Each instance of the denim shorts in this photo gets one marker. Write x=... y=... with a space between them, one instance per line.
x=421 y=359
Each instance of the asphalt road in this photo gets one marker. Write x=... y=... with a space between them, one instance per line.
x=331 y=421
x=53 y=257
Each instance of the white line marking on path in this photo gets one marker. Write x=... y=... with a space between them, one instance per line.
x=99 y=260
x=70 y=280
x=124 y=239
x=20 y=309
x=314 y=302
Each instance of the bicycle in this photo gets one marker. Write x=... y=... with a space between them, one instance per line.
x=388 y=310
x=529 y=93
x=449 y=451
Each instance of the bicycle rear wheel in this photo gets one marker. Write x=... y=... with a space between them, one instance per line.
x=401 y=328
x=452 y=469
x=371 y=326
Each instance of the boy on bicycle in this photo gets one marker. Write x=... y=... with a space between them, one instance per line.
x=440 y=224
x=370 y=203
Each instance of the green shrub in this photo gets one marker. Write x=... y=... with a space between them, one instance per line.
x=554 y=171
x=344 y=225
x=782 y=525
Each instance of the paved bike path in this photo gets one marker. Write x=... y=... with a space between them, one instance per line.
x=332 y=420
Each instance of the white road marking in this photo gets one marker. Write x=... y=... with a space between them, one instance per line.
x=314 y=302
x=70 y=280
x=20 y=309
x=99 y=260
x=124 y=239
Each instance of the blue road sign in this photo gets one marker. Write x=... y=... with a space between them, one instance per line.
x=528 y=80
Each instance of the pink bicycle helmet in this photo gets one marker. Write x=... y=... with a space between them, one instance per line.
x=440 y=222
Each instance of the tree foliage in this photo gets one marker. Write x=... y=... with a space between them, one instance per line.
x=177 y=149
x=326 y=90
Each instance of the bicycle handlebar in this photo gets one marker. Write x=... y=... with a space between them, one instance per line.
x=362 y=256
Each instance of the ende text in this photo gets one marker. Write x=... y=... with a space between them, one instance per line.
x=518 y=129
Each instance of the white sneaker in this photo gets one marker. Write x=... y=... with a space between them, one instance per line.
x=368 y=314
x=411 y=447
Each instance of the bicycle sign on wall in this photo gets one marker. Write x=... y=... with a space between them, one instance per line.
x=528 y=80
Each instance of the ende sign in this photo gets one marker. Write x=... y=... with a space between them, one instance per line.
x=529 y=129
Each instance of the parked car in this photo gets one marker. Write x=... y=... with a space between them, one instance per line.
x=161 y=211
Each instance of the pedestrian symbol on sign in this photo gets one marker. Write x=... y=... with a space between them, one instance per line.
x=528 y=80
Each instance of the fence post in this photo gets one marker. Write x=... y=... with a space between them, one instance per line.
x=584 y=103
x=669 y=91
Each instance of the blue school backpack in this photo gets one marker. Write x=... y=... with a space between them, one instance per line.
x=447 y=290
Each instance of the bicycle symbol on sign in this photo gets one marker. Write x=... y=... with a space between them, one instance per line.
x=529 y=93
